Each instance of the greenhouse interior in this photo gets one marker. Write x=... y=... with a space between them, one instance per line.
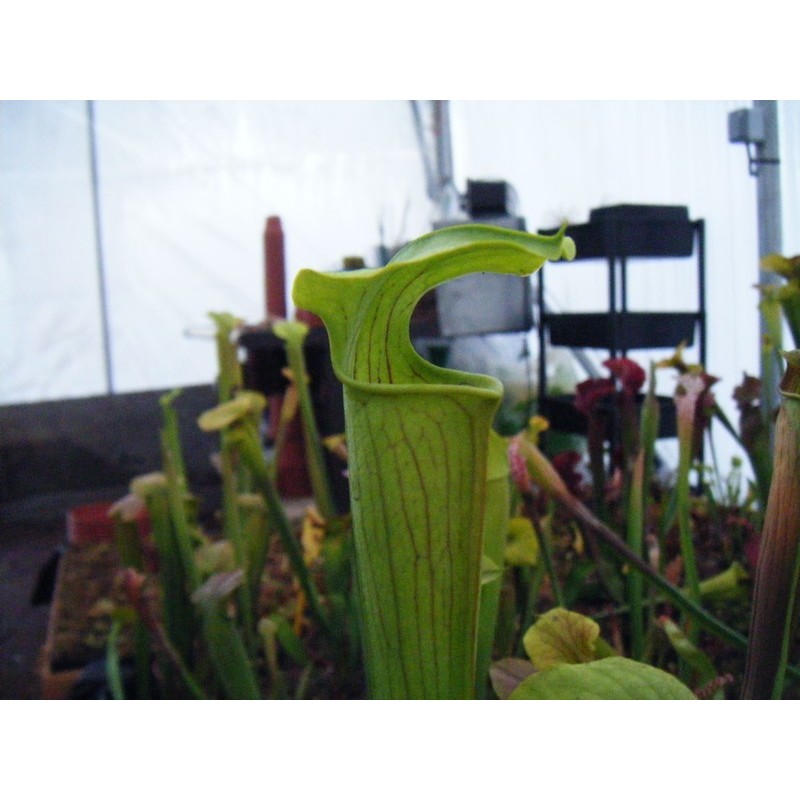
x=399 y=399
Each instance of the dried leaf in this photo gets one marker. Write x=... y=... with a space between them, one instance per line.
x=312 y=534
x=507 y=674
x=218 y=587
x=289 y=404
x=129 y=508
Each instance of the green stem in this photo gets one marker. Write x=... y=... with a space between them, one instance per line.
x=267 y=629
x=318 y=471
x=640 y=483
x=495 y=535
x=177 y=489
x=178 y=612
x=113 y=669
x=229 y=654
x=635 y=537
x=232 y=526
x=774 y=617
x=788 y=631
x=546 y=550
x=172 y=656
x=284 y=420
x=129 y=546
x=686 y=405
x=257 y=539
x=683 y=497
x=536 y=575
x=543 y=472
x=250 y=451
x=229 y=380
x=683 y=602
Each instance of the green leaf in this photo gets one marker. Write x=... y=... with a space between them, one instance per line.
x=692 y=655
x=223 y=639
x=609 y=679
x=213 y=557
x=361 y=305
x=245 y=405
x=785 y=267
x=294 y=334
x=113 y=666
x=225 y=321
x=727 y=585
x=418 y=443
x=561 y=637
x=290 y=330
x=495 y=530
x=489 y=570
x=576 y=584
x=289 y=640
x=522 y=547
x=145 y=485
x=229 y=380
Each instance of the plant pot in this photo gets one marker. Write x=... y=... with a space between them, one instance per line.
x=91 y=523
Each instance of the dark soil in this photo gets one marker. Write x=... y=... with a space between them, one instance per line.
x=81 y=612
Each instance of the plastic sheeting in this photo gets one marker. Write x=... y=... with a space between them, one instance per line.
x=184 y=189
x=50 y=321
x=183 y=193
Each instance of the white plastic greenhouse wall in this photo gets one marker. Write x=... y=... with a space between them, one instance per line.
x=183 y=190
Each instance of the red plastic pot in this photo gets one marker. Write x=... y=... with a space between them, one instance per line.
x=91 y=523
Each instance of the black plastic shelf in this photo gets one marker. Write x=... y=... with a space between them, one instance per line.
x=620 y=236
x=635 y=231
x=635 y=330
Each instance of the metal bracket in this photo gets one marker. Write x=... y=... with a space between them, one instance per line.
x=754 y=161
x=748 y=126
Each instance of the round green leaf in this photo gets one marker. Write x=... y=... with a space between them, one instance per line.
x=608 y=679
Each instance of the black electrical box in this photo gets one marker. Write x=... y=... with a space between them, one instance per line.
x=487 y=199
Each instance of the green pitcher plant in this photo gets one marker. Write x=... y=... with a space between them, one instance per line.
x=773 y=624
x=418 y=440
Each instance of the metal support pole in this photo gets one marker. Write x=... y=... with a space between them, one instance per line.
x=98 y=241
x=432 y=125
x=757 y=129
x=768 y=187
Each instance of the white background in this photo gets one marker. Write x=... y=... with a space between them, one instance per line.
x=185 y=188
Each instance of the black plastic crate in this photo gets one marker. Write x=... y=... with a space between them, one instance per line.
x=634 y=330
x=634 y=231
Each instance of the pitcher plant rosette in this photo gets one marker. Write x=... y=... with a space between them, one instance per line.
x=418 y=439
